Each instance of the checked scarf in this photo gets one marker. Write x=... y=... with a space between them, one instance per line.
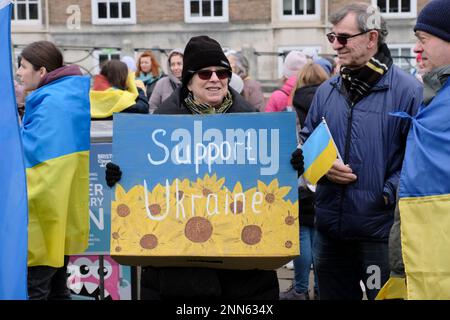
x=358 y=82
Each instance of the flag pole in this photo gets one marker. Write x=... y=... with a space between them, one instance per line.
x=329 y=132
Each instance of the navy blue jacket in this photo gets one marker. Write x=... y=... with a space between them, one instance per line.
x=372 y=142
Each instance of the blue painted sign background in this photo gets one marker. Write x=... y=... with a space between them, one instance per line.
x=99 y=200
x=145 y=148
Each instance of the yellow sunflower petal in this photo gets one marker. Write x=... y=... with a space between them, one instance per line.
x=282 y=192
x=262 y=187
x=237 y=188
x=273 y=185
x=220 y=183
x=120 y=192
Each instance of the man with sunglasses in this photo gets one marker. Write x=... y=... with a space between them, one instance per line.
x=355 y=201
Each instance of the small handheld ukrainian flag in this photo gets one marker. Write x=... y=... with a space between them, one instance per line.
x=319 y=152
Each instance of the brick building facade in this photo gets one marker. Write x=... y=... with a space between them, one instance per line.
x=90 y=30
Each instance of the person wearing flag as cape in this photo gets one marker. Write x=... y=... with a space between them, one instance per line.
x=355 y=199
x=56 y=141
x=419 y=245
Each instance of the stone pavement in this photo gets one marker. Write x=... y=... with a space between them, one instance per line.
x=285 y=277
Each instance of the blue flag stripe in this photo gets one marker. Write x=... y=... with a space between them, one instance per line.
x=46 y=138
x=13 y=202
x=425 y=170
x=315 y=144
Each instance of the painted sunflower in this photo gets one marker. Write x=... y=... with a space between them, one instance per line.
x=273 y=196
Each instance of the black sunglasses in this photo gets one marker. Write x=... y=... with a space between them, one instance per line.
x=207 y=74
x=342 y=39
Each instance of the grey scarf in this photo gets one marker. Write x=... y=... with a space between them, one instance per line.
x=433 y=82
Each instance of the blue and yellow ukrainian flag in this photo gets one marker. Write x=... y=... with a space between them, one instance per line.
x=56 y=138
x=105 y=103
x=319 y=152
x=425 y=201
x=13 y=190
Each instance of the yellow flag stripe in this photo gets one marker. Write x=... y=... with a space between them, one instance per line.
x=425 y=233
x=394 y=288
x=322 y=164
x=58 y=205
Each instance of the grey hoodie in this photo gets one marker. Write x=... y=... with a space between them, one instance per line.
x=165 y=86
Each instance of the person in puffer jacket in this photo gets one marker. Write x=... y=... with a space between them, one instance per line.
x=355 y=200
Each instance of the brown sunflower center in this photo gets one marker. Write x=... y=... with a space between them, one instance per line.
x=270 y=198
x=288 y=244
x=115 y=235
x=198 y=229
x=290 y=220
x=251 y=234
x=149 y=241
x=155 y=209
x=206 y=192
x=180 y=195
x=237 y=207
x=123 y=210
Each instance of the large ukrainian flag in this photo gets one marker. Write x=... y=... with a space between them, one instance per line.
x=319 y=152
x=56 y=137
x=13 y=190
x=425 y=201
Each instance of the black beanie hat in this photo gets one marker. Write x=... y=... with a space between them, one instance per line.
x=434 y=19
x=202 y=52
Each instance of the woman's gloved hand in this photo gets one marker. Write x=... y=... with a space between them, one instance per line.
x=113 y=174
x=297 y=161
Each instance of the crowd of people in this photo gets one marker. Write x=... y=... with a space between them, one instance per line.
x=348 y=227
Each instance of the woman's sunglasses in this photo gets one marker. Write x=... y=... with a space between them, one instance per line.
x=207 y=74
x=342 y=39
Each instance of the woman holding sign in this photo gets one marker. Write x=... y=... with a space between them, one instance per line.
x=204 y=90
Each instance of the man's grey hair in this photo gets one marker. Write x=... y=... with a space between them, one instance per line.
x=367 y=16
x=242 y=64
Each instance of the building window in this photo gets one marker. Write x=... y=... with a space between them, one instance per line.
x=206 y=11
x=397 y=8
x=113 y=11
x=403 y=56
x=26 y=12
x=300 y=9
x=103 y=56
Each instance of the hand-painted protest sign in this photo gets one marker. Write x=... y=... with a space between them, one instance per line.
x=213 y=190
